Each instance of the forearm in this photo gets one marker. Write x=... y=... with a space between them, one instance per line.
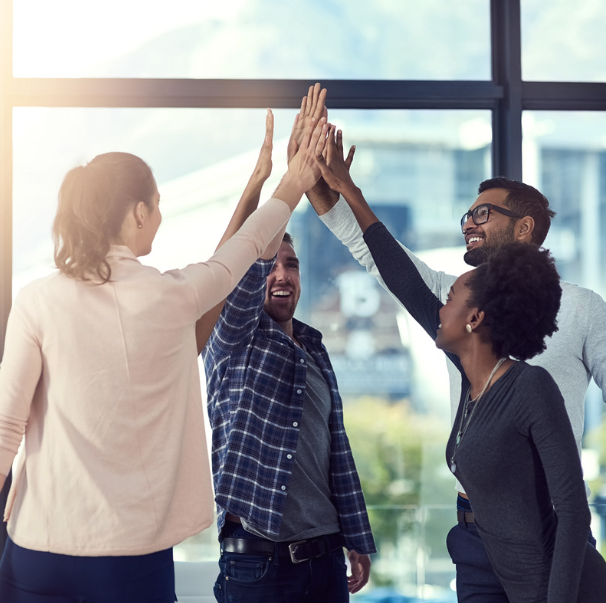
x=19 y=376
x=567 y=562
x=340 y=220
x=322 y=197
x=360 y=208
x=214 y=279
x=402 y=278
x=246 y=206
x=290 y=190
x=549 y=429
x=249 y=201
x=205 y=325
x=241 y=312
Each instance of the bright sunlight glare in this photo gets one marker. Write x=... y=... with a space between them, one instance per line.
x=66 y=38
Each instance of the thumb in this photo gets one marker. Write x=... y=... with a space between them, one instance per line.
x=350 y=156
x=321 y=162
x=292 y=149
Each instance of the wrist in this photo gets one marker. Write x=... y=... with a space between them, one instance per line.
x=290 y=190
x=258 y=179
x=322 y=197
x=351 y=192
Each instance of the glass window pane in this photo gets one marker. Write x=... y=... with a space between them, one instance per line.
x=563 y=42
x=418 y=169
x=565 y=157
x=253 y=39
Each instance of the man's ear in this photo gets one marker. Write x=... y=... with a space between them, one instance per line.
x=524 y=229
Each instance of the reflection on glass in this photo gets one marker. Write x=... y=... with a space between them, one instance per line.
x=419 y=170
x=563 y=41
x=343 y=39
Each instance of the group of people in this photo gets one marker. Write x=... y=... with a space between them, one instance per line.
x=100 y=397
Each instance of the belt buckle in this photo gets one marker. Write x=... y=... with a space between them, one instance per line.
x=292 y=548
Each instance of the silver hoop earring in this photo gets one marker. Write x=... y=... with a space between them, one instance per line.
x=468 y=328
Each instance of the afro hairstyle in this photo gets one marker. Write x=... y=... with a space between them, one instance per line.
x=519 y=291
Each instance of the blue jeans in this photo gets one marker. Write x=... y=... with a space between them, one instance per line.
x=263 y=579
x=28 y=576
x=476 y=580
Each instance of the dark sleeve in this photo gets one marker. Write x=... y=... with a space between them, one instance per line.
x=548 y=425
x=403 y=280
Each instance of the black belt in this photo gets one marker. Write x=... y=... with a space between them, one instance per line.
x=465 y=516
x=298 y=551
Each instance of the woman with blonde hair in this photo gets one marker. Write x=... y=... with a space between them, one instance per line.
x=100 y=380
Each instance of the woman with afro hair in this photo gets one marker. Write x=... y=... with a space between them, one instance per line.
x=512 y=445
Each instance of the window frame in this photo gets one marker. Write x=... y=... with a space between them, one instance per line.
x=506 y=95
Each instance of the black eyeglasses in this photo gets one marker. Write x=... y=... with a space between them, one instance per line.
x=481 y=214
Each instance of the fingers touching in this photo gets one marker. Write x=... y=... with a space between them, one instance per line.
x=315 y=135
x=312 y=107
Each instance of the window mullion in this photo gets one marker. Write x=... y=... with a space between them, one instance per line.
x=507 y=72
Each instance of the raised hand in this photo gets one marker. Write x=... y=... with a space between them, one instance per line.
x=304 y=164
x=247 y=204
x=262 y=170
x=334 y=166
x=303 y=169
x=335 y=171
x=312 y=107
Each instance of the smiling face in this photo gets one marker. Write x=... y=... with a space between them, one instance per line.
x=283 y=286
x=454 y=316
x=484 y=239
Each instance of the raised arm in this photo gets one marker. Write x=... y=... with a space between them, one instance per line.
x=396 y=269
x=335 y=171
x=336 y=213
x=214 y=279
x=341 y=221
x=247 y=204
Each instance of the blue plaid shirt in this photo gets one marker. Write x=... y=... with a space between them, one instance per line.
x=256 y=379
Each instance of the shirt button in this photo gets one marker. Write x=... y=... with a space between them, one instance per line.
x=289 y=456
x=295 y=424
x=298 y=391
x=283 y=487
x=302 y=361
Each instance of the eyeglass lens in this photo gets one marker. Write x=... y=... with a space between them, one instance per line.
x=479 y=215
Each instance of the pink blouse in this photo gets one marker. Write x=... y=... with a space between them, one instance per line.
x=103 y=380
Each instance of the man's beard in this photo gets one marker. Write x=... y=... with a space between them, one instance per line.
x=281 y=313
x=481 y=254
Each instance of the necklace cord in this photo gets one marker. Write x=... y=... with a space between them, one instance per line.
x=463 y=429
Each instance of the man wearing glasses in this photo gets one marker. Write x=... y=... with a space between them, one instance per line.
x=506 y=211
